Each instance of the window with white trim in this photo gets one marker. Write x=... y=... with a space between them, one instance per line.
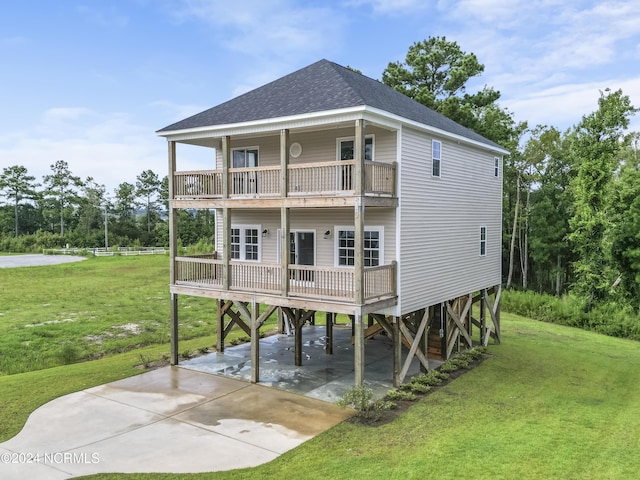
x=436 y=157
x=345 y=246
x=346 y=147
x=483 y=241
x=244 y=157
x=245 y=242
x=496 y=167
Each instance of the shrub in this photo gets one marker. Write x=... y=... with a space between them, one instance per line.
x=418 y=387
x=612 y=318
x=431 y=378
x=399 y=395
x=449 y=367
x=361 y=399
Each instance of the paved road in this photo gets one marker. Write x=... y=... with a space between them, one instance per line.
x=11 y=261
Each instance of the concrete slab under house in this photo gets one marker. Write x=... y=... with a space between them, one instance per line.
x=335 y=194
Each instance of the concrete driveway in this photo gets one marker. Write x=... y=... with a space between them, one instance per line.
x=167 y=420
x=36 y=260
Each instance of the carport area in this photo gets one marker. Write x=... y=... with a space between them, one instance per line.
x=322 y=376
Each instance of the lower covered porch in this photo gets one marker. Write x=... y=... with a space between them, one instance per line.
x=358 y=347
x=322 y=376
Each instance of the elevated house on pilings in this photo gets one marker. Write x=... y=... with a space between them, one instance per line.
x=335 y=193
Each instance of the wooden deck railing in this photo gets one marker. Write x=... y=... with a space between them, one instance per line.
x=304 y=281
x=322 y=178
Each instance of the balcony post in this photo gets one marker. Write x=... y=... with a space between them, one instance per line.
x=284 y=212
x=284 y=162
x=226 y=214
x=358 y=222
x=358 y=214
x=173 y=250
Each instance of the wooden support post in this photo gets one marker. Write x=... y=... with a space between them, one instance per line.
x=284 y=213
x=280 y=321
x=255 y=343
x=415 y=344
x=284 y=163
x=328 y=343
x=226 y=213
x=397 y=352
x=174 y=329
x=483 y=315
x=220 y=334
x=359 y=349
x=173 y=250
x=496 y=306
x=425 y=339
x=297 y=332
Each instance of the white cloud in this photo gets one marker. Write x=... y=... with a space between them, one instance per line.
x=275 y=28
x=564 y=106
x=391 y=6
x=496 y=12
x=110 y=148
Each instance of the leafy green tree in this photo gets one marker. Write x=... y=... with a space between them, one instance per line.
x=625 y=232
x=17 y=185
x=436 y=72
x=597 y=142
x=124 y=202
x=61 y=194
x=550 y=211
x=148 y=189
x=92 y=205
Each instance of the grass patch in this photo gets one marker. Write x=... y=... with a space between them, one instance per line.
x=552 y=402
x=62 y=314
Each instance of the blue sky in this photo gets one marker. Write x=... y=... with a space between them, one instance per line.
x=91 y=81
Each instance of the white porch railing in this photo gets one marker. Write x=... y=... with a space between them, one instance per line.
x=198 y=184
x=304 y=281
x=322 y=178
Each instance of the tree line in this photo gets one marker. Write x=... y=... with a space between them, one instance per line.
x=64 y=209
x=571 y=200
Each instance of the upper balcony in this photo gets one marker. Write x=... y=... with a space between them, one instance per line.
x=324 y=182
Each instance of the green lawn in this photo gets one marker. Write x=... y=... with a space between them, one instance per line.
x=56 y=315
x=552 y=401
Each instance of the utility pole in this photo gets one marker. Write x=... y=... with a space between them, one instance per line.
x=106 y=227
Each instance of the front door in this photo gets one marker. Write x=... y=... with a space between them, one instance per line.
x=245 y=183
x=302 y=251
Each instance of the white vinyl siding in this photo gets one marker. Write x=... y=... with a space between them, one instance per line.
x=317 y=146
x=438 y=257
x=320 y=220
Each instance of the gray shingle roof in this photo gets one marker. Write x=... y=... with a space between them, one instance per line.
x=321 y=86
